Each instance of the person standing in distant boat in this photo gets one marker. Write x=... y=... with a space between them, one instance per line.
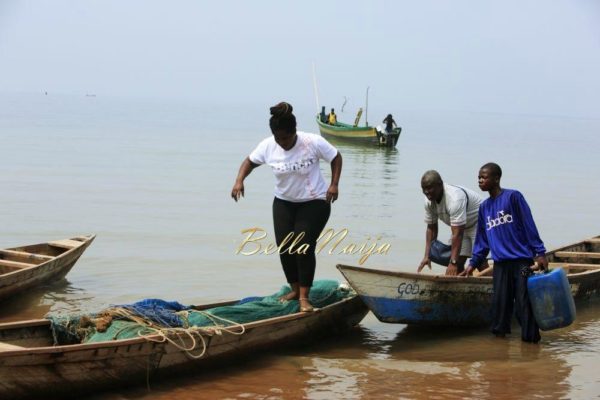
x=332 y=118
x=323 y=116
x=506 y=228
x=390 y=124
x=455 y=206
x=302 y=203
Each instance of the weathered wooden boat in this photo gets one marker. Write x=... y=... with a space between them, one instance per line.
x=31 y=366
x=412 y=298
x=26 y=266
x=359 y=134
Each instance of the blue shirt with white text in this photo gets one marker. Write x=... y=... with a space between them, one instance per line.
x=505 y=227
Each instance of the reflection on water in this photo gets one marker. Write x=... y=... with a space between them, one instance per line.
x=153 y=182
x=331 y=378
x=26 y=305
x=55 y=297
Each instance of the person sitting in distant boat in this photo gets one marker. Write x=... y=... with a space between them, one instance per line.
x=323 y=116
x=455 y=206
x=390 y=124
x=332 y=118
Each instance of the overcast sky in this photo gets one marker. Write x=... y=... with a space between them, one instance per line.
x=516 y=56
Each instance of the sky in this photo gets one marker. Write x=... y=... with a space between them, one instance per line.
x=506 y=56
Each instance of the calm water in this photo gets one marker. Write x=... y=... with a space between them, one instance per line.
x=152 y=180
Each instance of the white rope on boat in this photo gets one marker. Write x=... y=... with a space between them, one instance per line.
x=192 y=332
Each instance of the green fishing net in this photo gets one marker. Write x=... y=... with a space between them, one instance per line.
x=322 y=293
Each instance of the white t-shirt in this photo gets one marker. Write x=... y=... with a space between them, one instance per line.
x=452 y=209
x=298 y=177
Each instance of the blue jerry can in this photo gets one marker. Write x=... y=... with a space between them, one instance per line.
x=551 y=299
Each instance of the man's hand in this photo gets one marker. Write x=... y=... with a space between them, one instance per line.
x=542 y=262
x=452 y=270
x=426 y=261
x=467 y=272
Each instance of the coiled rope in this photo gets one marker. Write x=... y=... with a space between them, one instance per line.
x=194 y=333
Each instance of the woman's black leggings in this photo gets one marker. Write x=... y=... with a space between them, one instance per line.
x=308 y=217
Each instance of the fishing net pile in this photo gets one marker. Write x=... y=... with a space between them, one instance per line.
x=155 y=316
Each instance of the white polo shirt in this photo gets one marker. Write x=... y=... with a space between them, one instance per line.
x=452 y=209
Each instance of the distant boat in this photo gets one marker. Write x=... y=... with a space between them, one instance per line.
x=26 y=266
x=90 y=95
x=355 y=133
x=359 y=134
x=423 y=299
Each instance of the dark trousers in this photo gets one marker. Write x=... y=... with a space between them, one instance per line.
x=510 y=293
x=309 y=217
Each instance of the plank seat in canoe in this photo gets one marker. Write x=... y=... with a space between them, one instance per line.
x=24 y=256
x=66 y=243
x=577 y=254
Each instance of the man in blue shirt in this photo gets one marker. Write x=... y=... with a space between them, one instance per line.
x=505 y=227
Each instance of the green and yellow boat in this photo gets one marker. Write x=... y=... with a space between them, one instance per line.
x=358 y=134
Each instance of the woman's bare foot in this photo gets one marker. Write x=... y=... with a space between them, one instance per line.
x=305 y=305
x=293 y=295
x=290 y=296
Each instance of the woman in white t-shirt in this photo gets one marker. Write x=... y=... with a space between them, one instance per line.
x=303 y=199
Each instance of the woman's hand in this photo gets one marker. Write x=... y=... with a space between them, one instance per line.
x=336 y=171
x=332 y=193
x=245 y=169
x=237 y=191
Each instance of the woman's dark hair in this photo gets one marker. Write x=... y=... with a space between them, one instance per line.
x=282 y=117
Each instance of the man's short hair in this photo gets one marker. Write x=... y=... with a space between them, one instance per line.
x=432 y=177
x=494 y=169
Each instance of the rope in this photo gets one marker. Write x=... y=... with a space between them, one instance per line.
x=192 y=332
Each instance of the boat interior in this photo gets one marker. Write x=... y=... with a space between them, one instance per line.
x=29 y=334
x=18 y=258
x=577 y=258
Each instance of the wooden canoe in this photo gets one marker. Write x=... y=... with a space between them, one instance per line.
x=358 y=134
x=30 y=366
x=411 y=298
x=26 y=266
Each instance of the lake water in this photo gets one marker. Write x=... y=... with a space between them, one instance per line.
x=153 y=181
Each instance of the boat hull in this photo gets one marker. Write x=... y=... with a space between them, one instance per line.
x=417 y=299
x=69 y=370
x=421 y=299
